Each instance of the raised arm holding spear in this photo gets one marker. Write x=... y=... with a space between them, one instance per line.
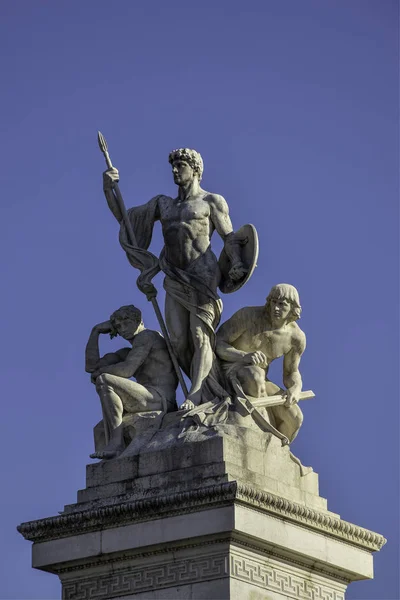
x=146 y=261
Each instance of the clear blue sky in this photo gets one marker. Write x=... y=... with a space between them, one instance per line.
x=293 y=105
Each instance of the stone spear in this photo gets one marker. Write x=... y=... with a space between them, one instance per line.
x=132 y=240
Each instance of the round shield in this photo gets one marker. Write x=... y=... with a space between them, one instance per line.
x=247 y=239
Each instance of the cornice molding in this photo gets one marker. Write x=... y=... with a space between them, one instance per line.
x=131 y=511
x=300 y=514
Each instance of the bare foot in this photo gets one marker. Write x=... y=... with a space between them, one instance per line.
x=108 y=452
x=187 y=405
x=104 y=454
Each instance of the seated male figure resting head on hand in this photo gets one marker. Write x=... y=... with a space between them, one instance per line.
x=257 y=335
x=147 y=359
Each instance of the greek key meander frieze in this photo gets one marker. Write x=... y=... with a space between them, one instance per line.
x=146 y=578
x=188 y=571
x=278 y=580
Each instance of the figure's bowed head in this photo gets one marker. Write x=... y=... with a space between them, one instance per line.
x=126 y=322
x=283 y=304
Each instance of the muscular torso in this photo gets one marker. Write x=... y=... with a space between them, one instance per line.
x=187 y=228
x=257 y=335
x=156 y=370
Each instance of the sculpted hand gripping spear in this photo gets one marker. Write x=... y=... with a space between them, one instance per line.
x=145 y=261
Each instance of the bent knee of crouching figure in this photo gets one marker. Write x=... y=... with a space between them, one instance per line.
x=297 y=416
x=103 y=381
x=292 y=419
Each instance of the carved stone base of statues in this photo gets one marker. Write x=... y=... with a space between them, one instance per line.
x=210 y=513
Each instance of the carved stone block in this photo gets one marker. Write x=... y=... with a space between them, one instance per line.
x=201 y=520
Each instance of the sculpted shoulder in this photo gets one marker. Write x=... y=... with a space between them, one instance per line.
x=160 y=198
x=155 y=338
x=146 y=337
x=216 y=201
x=252 y=314
x=163 y=202
x=244 y=318
x=298 y=337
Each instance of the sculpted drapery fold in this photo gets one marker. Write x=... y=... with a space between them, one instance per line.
x=142 y=219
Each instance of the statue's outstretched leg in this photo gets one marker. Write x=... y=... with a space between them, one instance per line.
x=289 y=420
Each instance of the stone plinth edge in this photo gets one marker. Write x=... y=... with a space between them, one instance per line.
x=120 y=513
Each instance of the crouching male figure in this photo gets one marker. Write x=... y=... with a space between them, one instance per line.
x=255 y=336
x=147 y=360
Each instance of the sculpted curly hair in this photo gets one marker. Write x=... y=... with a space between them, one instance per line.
x=129 y=311
x=192 y=157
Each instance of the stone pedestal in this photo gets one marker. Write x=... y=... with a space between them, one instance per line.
x=223 y=514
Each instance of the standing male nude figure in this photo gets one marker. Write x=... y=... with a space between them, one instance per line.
x=192 y=307
x=257 y=335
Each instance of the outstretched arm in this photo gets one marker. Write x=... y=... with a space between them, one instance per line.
x=222 y=223
x=291 y=374
x=141 y=348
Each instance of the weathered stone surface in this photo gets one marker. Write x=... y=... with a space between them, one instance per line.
x=229 y=542
x=211 y=515
x=202 y=458
x=213 y=571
